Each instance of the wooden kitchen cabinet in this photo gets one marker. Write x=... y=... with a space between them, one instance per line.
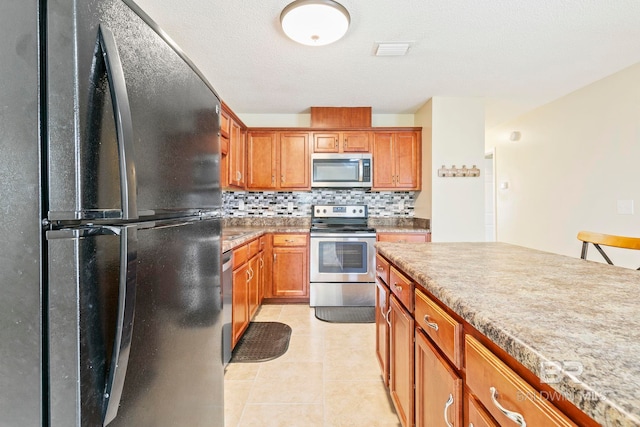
x=278 y=160
x=341 y=142
x=247 y=282
x=438 y=399
x=401 y=361
x=232 y=149
x=396 y=160
x=290 y=266
x=452 y=359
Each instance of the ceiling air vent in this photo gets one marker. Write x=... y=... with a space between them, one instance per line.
x=392 y=48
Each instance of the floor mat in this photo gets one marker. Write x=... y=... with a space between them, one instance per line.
x=262 y=341
x=346 y=314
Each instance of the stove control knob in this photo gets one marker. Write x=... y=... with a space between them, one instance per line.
x=360 y=210
x=324 y=211
x=354 y=211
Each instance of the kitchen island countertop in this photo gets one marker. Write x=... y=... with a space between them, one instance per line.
x=543 y=307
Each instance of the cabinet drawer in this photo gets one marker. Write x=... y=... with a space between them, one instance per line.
x=254 y=247
x=445 y=331
x=240 y=256
x=501 y=391
x=402 y=237
x=382 y=269
x=478 y=416
x=402 y=287
x=289 y=240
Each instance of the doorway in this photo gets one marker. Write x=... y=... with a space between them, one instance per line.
x=490 y=196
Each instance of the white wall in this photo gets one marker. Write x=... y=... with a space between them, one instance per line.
x=423 y=200
x=457 y=138
x=576 y=158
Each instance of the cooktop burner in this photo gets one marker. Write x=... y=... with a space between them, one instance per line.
x=340 y=218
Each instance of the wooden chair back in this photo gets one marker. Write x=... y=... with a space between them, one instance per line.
x=599 y=239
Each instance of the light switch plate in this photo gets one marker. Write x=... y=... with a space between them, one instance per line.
x=625 y=207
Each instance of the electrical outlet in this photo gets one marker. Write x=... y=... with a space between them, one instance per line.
x=290 y=206
x=625 y=207
x=241 y=205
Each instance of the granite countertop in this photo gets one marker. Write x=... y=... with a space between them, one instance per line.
x=543 y=307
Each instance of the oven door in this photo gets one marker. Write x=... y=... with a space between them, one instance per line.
x=337 y=257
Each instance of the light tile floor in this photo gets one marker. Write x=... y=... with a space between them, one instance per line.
x=329 y=377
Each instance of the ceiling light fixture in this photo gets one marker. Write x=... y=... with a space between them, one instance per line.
x=315 y=22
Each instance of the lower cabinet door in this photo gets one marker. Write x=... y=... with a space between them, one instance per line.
x=438 y=387
x=240 y=302
x=382 y=329
x=401 y=362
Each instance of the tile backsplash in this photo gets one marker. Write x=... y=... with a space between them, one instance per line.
x=298 y=203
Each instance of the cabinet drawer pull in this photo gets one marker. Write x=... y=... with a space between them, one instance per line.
x=398 y=288
x=432 y=325
x=289 y=240
x=446 y=409
x=379 y=268
x=513 y=416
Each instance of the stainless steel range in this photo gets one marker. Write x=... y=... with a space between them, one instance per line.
x=342 y=256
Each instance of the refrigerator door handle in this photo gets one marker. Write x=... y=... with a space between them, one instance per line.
x=124 y=124
x=125 y=317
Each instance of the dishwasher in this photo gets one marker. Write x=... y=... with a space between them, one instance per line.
x=227 y=300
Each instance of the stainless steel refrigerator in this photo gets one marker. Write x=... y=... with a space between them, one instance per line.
x=110 y=221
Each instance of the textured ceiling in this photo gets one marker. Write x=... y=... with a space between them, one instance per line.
x=516 y=54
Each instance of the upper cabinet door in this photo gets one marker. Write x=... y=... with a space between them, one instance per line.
x=294 y=160
x=355 y=142
x=261 y=160
x=383 y=160
x=407 y=153
x=326 y=142
x=396 y=160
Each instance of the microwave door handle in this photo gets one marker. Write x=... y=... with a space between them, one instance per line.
x=360 y=170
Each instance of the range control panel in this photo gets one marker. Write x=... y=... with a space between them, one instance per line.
x=340 y=211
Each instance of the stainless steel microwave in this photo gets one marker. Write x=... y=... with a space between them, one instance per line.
x=341 y=170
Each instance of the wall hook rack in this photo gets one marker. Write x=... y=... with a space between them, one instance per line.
x=453 y=171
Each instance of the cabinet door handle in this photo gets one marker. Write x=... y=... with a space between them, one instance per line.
x=446 y=410
x=261 y=263
x=274 y=258
x=282 y=178
x=513 y=416
x=387 y=317
x=432 y=325
x=335 y=141
x=273 y=179
x=346 y=141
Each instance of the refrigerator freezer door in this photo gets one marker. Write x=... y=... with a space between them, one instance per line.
x=174 y=374
x=174 y=117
